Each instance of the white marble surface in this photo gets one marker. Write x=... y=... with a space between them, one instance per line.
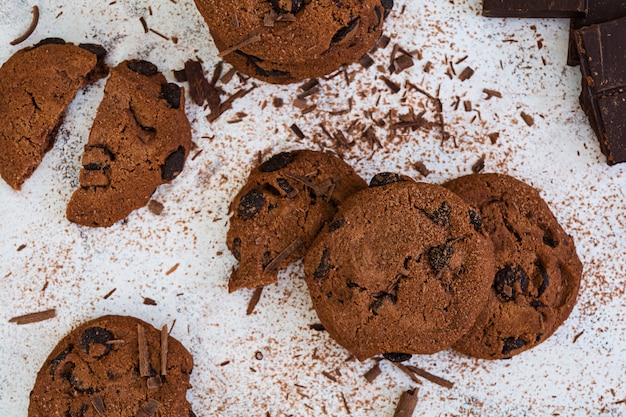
x=522 y=59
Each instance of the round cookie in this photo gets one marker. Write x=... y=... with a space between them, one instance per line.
x=404 y=267
x=284 y=41
x=280 y=210
x=139 y=140
x=97 y=370
x=537 y=274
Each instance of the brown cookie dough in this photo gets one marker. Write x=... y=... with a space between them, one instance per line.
x=139 y=140
x=281 y=209
x=537 y=270
x=284 y=41
x=97 y=370
x=403 y=267
x=37 y=84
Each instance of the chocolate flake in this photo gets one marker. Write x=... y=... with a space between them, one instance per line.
x=430 y=377
x=493 y=137
x=394 y=87
x=110 y=293
x=577 y=336
x=275 y=263
x=406 y=404
x=149 y=408
x=98 y=405
x=345 y=404
x=228 y=103
x=528 y=119
x=466 y=74
x=199 y=87
x=491 y=93
x=479 y=165
x=373 y=373
x=164 y=349
x=248 y=41
x=256 y=296
x=319 y=327
x=149 y=301
x=30 y=30
x=329 y=376
x=366 y=61
x=21 y=247
x=34 y=317
x=144 y=24
x=155 y=207
x=421 y=168
x=297 y=131
x=144 y=364
x=172 y=269
x=410 y=374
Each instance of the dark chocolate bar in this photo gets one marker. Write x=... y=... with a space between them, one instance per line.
x=534 y=8
x=599 y=11
x=602 y=53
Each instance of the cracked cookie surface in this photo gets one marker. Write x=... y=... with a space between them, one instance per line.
x=96 y=370
x=538 y=272
x=37 y=84
x=285 y=202
x=403 y=267
x=283 y=41
x=139 y=140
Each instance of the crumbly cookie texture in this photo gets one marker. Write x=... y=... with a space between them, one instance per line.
x=37 y=84
x=140 y=139
x=284 y=41
x=537 y=274
x=114 y=366
x=280 y=210
x=402 y=268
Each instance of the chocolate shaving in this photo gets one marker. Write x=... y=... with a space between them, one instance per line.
x=366 y=61
x=142 y=342
x=479 y=165
x=228 y=103
x=493 y=137
x=149 y=301
x=293 y=246
x=172 y=269
x=410 y=374
x=155 y=207
x=164 y=349
x=251 y=39
x=159 y=34
x=329 y=376
x=402 y=62
x=323 y=189
x=577 y=336
x=428 y=66
x=199 y=87
x=256 y=296
x=395 y=88
x=144 y=24
x=406 y=404
x=98 y=405
x=430 y=377
x=491 y=93
x=318 y=327
x=228 y=76
x=30 y=30
x=527 y=118
x=34 y=317
x=466 y=74
x=421 y=168
x=154 y=382
x=345 y=404
x=373 y=373
x=110 y=293
x=297 y=131
x=21 y=247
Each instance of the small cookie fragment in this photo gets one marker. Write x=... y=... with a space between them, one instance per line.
x=140 y=139
x=277 y=214
x=401 y=269
x=37 y=84
x=537 y=274
x=94 y=371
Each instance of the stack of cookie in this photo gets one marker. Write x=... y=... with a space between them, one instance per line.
x=479 y=264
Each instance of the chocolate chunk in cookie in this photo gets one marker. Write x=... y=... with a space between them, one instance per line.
x=537 y=273
x=37 y=84
x=139 y=140
x=400 y=270
x=96 y=370
x=279 y=211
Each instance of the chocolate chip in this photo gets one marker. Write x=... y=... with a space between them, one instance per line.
x=353 y=285
x=511 y=344
x=441 y=216
x=286 y=187
x=92 y=167
x=142 y=67
x=288 y=6
x=336 y=225
x=48 y=41
x=276 y=162
x=95 y=49
x=96 y=336
x=171 y=93
x=267 y=258
x=510 y=281
x=550 y=241
x=379 y=17
x=381 y=297
x=438 y=256
x=345 y=31
x=250 y=204
x=271 y=73
x=545 y=279
x=475 y=220
x=54 y=363
x=192 y=414
x=173 y=164
x=387 y=5
x=397 y=356
x=67 y=373
x=385 y=178
x=323 y=268
x=536 y=304
x=237 y=249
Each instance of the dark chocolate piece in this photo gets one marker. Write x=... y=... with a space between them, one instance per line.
x=599 y=11
x=525 y=8
x=603 y=65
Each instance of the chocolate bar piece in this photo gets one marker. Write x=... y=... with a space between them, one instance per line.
x=602 y=52
x=599 y=11
x=534 y=8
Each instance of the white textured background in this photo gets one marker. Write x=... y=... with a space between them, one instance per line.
x=523 y=59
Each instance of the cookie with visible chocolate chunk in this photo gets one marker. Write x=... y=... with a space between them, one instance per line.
x=37 y=84
x=114 y=366
x=139 y=140
x=403 y=268
x=279 y=211
x=537 y=274
x=284 y=41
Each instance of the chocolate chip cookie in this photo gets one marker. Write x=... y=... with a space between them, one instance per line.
x=114 y=366
x=537 y=270
x=284 y=41
x=403 y=268
x=280 y=210
x=37 y=84
x=139 y=140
